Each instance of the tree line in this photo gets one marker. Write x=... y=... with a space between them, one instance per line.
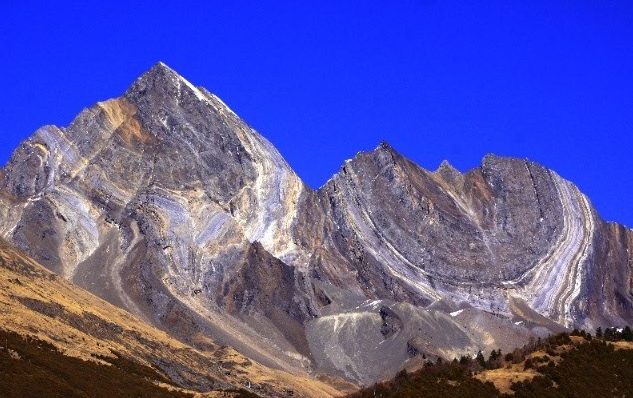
x=592 y=368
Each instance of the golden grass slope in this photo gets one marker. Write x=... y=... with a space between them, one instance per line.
x=36 y=302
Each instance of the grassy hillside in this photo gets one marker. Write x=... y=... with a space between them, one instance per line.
x=561 y=366
x=33 y=368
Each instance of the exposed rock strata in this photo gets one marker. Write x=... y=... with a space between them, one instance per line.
x=165 y=203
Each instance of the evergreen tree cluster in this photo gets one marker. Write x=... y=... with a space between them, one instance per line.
x=614 y=334
x=579 y=370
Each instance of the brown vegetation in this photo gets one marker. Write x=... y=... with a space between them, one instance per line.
x=34 y=368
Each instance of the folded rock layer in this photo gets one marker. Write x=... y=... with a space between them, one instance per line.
x=165 y=203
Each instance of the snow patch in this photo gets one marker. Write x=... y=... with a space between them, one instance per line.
x=456 y=313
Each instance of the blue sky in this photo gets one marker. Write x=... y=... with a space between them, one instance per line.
x=325 y=79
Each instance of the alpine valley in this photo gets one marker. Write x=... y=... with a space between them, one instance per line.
x=160 y=227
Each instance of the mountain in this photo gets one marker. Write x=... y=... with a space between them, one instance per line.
x=166 y=204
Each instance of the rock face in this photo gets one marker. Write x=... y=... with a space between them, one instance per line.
x=167 y=204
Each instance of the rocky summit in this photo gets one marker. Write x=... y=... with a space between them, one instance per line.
x=166 y=204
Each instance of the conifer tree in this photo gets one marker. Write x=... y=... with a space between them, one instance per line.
x=627 y=334
x=481 y=360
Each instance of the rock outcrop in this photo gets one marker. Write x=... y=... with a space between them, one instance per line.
x=165 y=203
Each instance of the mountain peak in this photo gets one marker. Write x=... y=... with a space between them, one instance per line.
x=384 y=146
x=448 y=172
x=161 y=79
x=161 y=70
x=161 y=65
x=446 y=166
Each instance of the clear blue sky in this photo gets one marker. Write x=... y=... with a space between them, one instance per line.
x=547 y=80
